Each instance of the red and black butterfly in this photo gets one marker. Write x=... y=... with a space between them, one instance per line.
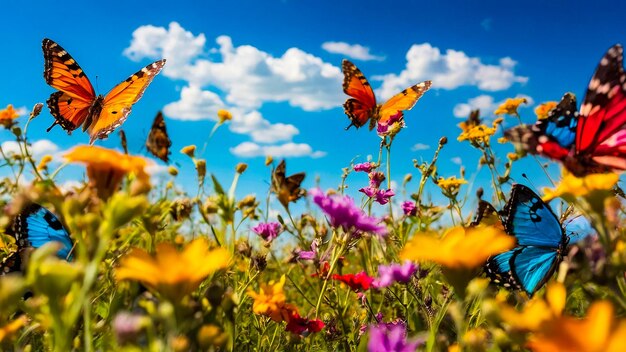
x=592 y=140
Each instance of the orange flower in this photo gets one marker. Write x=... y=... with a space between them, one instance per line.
x=106 y=167
x=459 y=248
x=8 y=330
x=543 y=110
x=224 y=115
x=537 y=311
x=7 y=116
x=270 y=301
x=172 y=273
x=510 y=106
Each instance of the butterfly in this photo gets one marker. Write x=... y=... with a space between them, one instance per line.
x=363 y=107
x=75 y=104
x=287 y=189
x=33 y=227
x=158 y=142
x=541 y=241
x=592 y=140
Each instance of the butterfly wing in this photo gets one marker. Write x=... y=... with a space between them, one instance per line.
x=487 y=215
x=531 y=220
x=402 y=101
x=287 y=189
x=36 y=226
x=118 y=102
x=553 y=136
x=362 y=106
x=532 y=267
x=158 y=142
x=71 y=104
x=601 y=133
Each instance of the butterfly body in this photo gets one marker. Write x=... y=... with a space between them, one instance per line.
x=362 y=106
x=541 y=241
x=287 y=188
x=158 y=142
x=76 y=104
x=592 y=140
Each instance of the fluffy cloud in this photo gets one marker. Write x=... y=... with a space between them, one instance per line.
x=420 y=146
x=248 y=76
x=37 y=149
x=486 y=104
x=194 y=104
x=457 y=160
x=450 y=70
x=249 y=150
x=353 y=51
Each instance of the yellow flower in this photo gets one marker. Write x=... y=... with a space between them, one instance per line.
x=544 y=109
x=8 y=115
x=12 y=327
x=170 y=272
x=472 y=121
x=510 y=106
x=479 y=134
x=189 y=150
x=599 y=331
x=459 y=248
x=106 y=167
x=450 y=186
x=45 y=160
x=537 y=311
x=573 y=187
x=270 y=301
x=224 y=115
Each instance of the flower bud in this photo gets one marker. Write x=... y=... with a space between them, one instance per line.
x=241 y=168
x=224 y=115
x=189 y=150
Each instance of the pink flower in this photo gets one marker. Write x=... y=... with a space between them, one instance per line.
x=268 y=231
x=409 y=208
x=365 y=167
x=342 y=212
x=388 y=274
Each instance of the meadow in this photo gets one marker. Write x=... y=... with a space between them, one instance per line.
x=122 y=263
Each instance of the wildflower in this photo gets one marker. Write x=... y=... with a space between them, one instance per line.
x=357 y=282
x=390 y=338
x=7 y=116
x=268 y=160
x=510 y=106
x=189 y=150
x=43 y=164
x=365 y=167
x=543 y=110
x=477 y=134
x=472 y=121
x=392 y=126
x=308 y=255
x=345 y=214
x=537 y=310
x=409 y=208
x=388 y=274
x=129 y=326
x=475 y=339
x=172 y=171
x=106 y=167
x=268 y=231
x=599 y=331
x=170 y=272
x=224 y=115
x=270 y=301
x=211 y=335
x=11 y=328
x=301 y=326
x=572 y=187
x=450 y=186
x=459 y=247
x=241 y=168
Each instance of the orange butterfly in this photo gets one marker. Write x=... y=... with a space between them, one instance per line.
x=287 y=188
x=76 y=103
x=362 y=106
x=158 y=142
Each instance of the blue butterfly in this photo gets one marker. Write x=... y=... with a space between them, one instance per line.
x=32 y=228
x=541 y=241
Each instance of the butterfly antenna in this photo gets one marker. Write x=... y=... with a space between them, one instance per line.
x=53 y=124
x=97 y=87
x=529 y=181
x=350 y=125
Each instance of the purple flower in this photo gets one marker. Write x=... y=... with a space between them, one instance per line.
x=383 y=196
x=376 y=178
x=392 y=126
x=409 y=208
x=344 y=213
x=268 y=230
x=365 y=167
x=388 y=274
x=390 y=338
x=308 y=255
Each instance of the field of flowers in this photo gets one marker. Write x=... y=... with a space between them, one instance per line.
x=158 y=269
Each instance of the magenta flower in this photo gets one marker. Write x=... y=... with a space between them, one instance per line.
x=392 y=126
x=388 y=274
x=342 y=212
x=365 y=167
x=268 y=231
x=308 y=255
x=409 y=208
x=374 y=191
x=390 y=338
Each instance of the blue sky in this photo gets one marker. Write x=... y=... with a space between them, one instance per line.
x=276 y=66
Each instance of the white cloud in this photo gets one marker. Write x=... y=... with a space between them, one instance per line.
x=353 y=51
x=155 y=169
x=37 y=149
x=450 y=70
x=486 y=104
x=420 y=146
x=194 y=104
x=457 y=160
x=250 y=150
x=248 y=76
